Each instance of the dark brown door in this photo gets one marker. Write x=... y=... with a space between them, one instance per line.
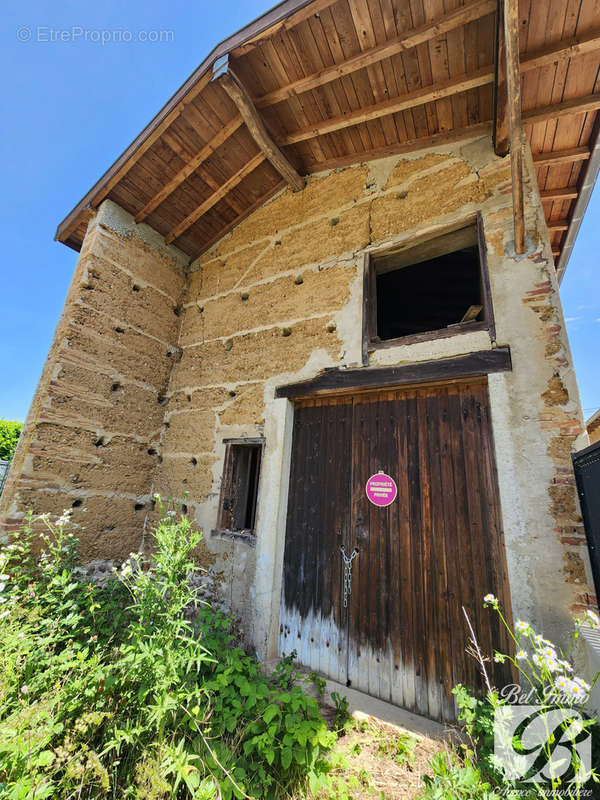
x=438 y=547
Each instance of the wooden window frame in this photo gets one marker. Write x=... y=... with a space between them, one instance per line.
x=221 y=530
x=370 y=340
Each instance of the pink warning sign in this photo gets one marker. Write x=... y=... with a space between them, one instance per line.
x=381 y=489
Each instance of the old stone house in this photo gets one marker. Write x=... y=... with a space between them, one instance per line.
x=335 y=253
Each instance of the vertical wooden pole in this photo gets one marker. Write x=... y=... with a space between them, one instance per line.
x=501 y=131
x=513 y=85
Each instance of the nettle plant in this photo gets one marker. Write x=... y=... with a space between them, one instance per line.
x=504 y=743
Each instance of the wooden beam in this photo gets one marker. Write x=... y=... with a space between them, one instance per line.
x=204 y=153
x=501 y=129
x=568 y=48
x=258 y=131
x=432 y=30
x=230 y=225
x=559 y=194
x=311 y=9
x=339 y=380
x=559 y=225
x=513 y=86
x=577 y=105
x=409 y=146
x=561 y=156
x=214 y=198
x=429 y=94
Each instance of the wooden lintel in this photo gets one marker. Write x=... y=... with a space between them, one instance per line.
x=235 y=89
x=561 y=156
x=214 y=198
x=559 y=225
x=406 y=41
x=501 y=128
x=513 y=87
x=559 y=194
x=184 y=173
x=340 y=380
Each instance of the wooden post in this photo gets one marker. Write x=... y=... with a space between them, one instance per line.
x=501 y=130
x=513 y=85
x=234 y=88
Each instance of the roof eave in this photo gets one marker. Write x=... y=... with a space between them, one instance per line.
x=245 y=34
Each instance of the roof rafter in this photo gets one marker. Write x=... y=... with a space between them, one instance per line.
x=561 y=156
x=211 y=201
x=201 y=156
x=559 y=194
x=429 y=94
x=447 y=22
x=559 y=225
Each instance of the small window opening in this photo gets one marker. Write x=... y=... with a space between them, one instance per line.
x=436 y=285
x=239 y=492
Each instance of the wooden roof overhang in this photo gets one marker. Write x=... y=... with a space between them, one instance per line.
x=326 y=83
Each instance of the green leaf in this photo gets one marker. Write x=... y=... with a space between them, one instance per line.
x=286 y=757
x=270 y=712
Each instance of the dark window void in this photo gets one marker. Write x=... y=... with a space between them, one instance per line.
x=430 y=287
x=239 y=491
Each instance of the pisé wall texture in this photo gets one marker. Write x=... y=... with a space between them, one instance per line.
x=156 y=361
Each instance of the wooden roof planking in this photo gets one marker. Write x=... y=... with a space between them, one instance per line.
x=310 y=86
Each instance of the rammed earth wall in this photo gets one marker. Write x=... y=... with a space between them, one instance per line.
x=143 y=385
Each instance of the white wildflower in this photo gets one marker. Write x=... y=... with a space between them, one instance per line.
x=580 y=682
x=4 y=577
x=521 y=655
x=171 y=513
x=549 y=652
x=592 y=617
x=575 y=691
x=521 y=626
x=24 y=689
x=2 y=599
x=537 y=660
x=156 y=497
x=566 y=666
x=490 y=598
x=551 y=664
x=2 y=587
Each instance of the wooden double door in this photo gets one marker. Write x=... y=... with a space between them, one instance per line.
x=392 y=624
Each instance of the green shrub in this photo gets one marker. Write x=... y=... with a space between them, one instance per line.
x=10 y=430
x=134 y=690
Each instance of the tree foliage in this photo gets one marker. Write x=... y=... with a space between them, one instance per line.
x=10 y=430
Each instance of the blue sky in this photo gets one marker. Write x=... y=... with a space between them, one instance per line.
x=71 y=107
